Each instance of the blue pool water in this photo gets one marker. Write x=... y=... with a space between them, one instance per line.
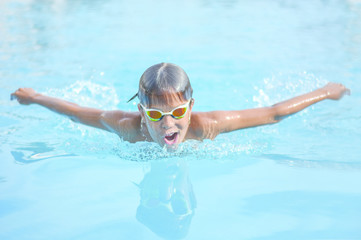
x=299 y=179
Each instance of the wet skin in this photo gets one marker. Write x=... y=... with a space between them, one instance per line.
x=194 y=125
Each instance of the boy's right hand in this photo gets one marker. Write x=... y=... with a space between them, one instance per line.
x=24 y=95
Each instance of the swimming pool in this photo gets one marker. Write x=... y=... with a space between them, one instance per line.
x=299 y=179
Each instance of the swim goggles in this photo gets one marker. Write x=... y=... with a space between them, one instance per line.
x=157 y=115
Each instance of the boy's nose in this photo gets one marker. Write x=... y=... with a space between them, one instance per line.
x=167 y=122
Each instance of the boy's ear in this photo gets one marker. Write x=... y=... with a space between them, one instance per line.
x=191 y=104
x=140 y=110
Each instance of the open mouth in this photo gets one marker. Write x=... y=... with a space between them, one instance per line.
x=171 y=138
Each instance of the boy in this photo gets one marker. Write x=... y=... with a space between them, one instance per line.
x=165 y=110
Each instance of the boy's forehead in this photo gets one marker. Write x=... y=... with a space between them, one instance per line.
x=168 y=100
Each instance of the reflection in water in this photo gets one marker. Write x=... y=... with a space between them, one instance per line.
x=35 y=152
x=167 y=200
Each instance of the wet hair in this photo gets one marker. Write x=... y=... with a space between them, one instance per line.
x=163 y=82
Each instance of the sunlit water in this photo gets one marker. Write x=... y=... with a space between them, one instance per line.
x=299 y=179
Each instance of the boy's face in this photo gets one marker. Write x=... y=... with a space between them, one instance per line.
x=168 y=131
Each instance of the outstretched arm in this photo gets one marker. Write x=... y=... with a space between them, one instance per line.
x=226 y=121
x=88 y=116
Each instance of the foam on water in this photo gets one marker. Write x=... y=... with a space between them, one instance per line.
x=285 y=85
x=88 y=93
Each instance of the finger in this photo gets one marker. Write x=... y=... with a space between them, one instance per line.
x=12 y=97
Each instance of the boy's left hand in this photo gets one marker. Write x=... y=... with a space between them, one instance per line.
x=335 y=91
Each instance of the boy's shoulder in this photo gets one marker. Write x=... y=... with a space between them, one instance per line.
x=124 y=124
x=202 y=126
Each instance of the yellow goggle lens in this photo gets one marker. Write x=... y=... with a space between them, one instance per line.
x=154 y=114
x=179 y=112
